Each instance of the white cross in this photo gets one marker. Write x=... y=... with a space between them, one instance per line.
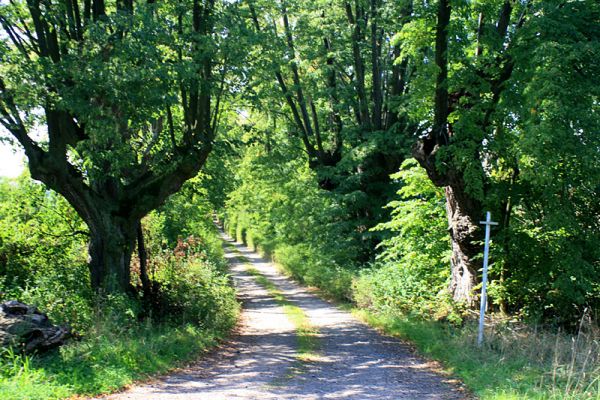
x=486 y=250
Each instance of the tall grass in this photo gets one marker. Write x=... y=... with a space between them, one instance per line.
x=515 y=361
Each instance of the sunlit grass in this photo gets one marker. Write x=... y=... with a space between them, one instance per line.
x=102 y=363
x=305 y=332
x=510 y=365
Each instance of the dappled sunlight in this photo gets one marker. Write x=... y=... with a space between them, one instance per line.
x=350 y=360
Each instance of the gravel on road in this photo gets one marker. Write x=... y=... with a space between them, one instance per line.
x=261 y=360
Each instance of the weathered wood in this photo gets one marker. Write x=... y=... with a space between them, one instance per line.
x=27 y=330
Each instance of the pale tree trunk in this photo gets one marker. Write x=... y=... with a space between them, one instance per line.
x=464 y=233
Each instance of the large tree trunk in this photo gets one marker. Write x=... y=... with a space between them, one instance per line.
x=112 y=242
x=464 y=231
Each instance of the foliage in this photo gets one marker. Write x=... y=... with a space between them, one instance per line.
x=186 y=263
x=128 y=99
x=192 y=288
x=412 y=273
x=320 y=75
x=42 y=252
x=278 y=208
x=117 y=345
x=550 y=251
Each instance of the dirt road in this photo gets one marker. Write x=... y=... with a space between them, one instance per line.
x=262 y=362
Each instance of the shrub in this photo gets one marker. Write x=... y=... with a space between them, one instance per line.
x=412 y=270
x=193 y=288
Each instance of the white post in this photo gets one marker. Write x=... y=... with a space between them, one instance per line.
x=486 y=250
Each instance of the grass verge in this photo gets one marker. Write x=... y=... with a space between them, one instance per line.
x=102 y=363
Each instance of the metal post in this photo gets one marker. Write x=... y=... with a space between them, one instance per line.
x=488 y=223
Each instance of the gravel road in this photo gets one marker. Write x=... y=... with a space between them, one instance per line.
x=260 y=361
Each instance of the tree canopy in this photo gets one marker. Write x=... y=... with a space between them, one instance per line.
x=310 y=109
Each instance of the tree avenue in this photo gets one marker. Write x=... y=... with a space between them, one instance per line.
x=312 y=108
x=129 y=93
x=331 y=65
x=479 y=94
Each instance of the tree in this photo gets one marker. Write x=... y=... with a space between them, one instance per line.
x=129 y=95
x=451 y=149
x=478 y=98
x=327 y=69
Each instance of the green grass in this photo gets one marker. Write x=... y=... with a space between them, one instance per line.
x=102 y=363
x=508 y=366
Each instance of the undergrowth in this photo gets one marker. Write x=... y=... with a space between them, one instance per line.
x=121 y=338
x=106 y=361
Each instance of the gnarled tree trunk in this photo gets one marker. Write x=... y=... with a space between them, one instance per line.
x=112 y=241
x=463 y=212
x=464 y=208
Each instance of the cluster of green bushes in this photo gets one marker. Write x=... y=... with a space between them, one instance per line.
x=304 y=229
x=43 y=253
x=411 y=273
x=43 y=263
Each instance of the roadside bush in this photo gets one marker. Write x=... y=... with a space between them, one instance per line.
x=43 y=253
x=412 y=270
x=193 y=289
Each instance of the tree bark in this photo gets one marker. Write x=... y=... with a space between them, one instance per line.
x=112 y=241
x=464 y=232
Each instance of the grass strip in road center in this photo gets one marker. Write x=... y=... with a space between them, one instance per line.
x=306 y=333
